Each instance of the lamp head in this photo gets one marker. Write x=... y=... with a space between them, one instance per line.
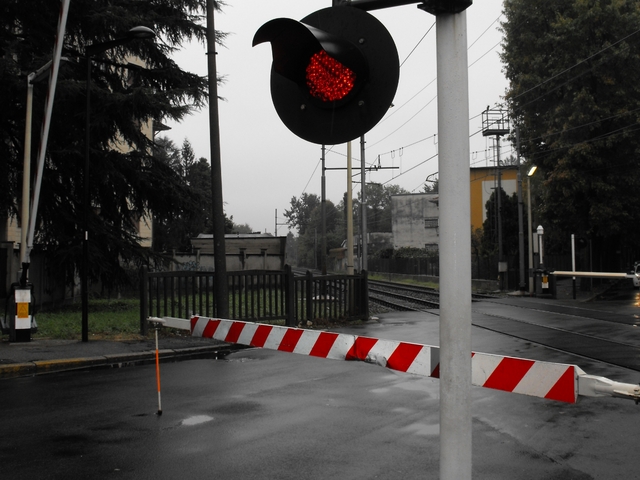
x=141 y=33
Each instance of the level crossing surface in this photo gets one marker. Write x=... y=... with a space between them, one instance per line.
x=608 y=336
x=268 y=415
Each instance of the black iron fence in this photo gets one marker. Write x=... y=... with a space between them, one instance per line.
x=255 y=295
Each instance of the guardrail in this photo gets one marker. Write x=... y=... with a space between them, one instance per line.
x=255 y=295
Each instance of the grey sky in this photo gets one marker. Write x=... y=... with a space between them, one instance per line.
x=264 y=164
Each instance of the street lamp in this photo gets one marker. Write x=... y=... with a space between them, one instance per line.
x=136 y=33
x=530 y=174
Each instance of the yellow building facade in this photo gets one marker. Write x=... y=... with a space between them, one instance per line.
x=484 y=180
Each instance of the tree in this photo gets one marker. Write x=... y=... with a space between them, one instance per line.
x=378 y=200
x=577 y=110
x=126 y=181
x=193 y=215
x=299 y=215
x=310 y=242
x=306 y=215
x=509 y=221
x=431 y=186
x=243 y=228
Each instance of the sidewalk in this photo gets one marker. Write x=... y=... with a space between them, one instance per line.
x=47 y=355
x=564 y=292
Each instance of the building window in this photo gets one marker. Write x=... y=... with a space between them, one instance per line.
x=431 y=222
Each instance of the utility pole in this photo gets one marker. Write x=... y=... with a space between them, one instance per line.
x=219 y=249
x=349 y=207
x=520 y=216
x=323 y=208
x=278 y=224
x=496 y=122
x=363 y=208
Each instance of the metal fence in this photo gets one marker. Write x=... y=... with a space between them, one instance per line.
x=482 y=267
x=255 y=295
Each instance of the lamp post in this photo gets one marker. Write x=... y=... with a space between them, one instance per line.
x=32 y=78
x=136 y=33
x=530 y=173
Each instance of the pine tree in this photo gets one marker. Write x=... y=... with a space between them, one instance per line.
x=126 y=180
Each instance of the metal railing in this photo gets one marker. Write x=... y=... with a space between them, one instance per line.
x=255 y=295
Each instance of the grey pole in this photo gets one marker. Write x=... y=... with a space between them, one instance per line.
x=219 y=249
x=324 y=214
x=363 y=207
x=349 y=207
x=520 y=216
x=26 y=174
x=499 y=213
x=455 y=247
x=530 y=173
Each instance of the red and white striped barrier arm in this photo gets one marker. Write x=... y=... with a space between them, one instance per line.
x=540 y=379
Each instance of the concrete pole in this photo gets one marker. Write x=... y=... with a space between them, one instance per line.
x=26 y=175
x=501 y=273
x=324 y=214
x=363 y=207
x=455 y=247
x=349 y=207
x=520 y=217
x=529 y=233
x=219 y=245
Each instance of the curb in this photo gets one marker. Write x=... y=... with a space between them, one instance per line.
x=39 y=367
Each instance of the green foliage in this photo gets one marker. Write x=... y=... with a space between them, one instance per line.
x=509 y=220
x=431 y=186
x=306 y=215
x=412 y=252
x=126 y=181
x=193 y=214
x=299 y=215
x=574 y=73
x=378 y=201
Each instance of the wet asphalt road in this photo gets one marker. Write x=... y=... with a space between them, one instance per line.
x=269 y=415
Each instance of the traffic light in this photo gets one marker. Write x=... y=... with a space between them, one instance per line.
x=334 y=73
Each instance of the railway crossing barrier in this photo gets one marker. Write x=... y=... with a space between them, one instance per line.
x=552 y=381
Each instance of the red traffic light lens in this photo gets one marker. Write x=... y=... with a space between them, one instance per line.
x=328 y=79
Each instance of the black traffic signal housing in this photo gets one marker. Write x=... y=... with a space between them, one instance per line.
x=334 y=73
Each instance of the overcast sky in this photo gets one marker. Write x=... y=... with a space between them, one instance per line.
x=264 y=165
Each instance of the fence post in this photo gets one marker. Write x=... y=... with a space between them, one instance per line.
x=289 y=296
x=143 y=300
x=309 y=295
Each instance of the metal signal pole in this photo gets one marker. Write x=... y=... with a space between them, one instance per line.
x=219 y=250
x=455 y=240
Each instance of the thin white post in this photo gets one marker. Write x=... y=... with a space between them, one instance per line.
x=349 y=207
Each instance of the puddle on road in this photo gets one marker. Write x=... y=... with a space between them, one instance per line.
x=196 y=420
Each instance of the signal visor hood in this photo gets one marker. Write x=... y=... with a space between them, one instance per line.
x=294 y=43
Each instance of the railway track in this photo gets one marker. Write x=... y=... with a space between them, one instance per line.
x=610 y=337
x=399 y=296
